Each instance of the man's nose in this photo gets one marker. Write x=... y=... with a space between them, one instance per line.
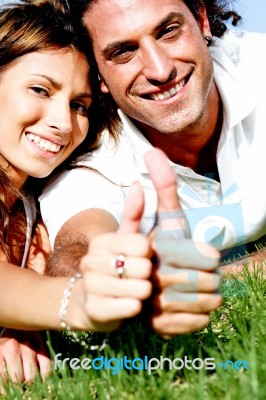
x=157 y=64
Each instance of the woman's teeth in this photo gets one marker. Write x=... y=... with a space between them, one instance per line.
x=43 y=143
x=169 y=93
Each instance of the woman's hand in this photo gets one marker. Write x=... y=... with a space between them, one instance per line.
x=108 y=299
x=23 y=354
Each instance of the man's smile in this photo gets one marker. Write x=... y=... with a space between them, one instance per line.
x=170 y=92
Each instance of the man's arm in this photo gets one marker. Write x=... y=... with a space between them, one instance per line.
x=253 y=262
x=72 y=241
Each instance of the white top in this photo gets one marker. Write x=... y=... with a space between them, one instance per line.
x=30 y=212
x=224 y=214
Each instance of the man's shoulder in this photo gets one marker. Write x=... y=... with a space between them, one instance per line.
x=245 y=50
x=242 y=43
x=242 y=37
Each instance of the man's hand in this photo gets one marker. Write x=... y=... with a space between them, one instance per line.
x=186 y=281
x=22 y=355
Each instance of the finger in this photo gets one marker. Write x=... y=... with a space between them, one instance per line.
x=109 y=312
x=189 y=302
x=29 y=362
x=178 y=323
x=110 y=244
x=190 y=281
x=13 y=368
x=171 y=219
x=3 y=374
x=163 y=178
x=114 y=287
x=133 y=210
x=186 y=253
x=11 y=363
x=135 y=267
x=45 y=364
x=40 y=357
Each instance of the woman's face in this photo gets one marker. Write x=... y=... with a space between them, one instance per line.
x=44 y=99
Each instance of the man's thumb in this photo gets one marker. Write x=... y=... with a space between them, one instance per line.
x=133 y=210
x=171 y=220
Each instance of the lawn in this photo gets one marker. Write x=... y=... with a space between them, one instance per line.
x=235 y=341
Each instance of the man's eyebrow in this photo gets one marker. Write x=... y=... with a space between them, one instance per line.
x=113 y=46
x=168 y=18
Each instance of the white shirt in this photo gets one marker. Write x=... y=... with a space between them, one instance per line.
x=225 y=214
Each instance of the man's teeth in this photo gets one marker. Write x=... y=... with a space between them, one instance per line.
x=43 y=143
x=169 y=93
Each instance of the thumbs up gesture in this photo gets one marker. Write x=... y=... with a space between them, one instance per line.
x=181 y=285
x=185 y=280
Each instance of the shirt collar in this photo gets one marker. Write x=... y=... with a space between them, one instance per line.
x=239 y=96
x=138 y=141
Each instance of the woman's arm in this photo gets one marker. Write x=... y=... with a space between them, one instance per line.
x=99 y=301
x=29 y=300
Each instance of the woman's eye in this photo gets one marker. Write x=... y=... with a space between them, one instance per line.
x=39 y=90
x=79 y=108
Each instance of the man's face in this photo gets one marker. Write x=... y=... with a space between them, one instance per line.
x=154 y=60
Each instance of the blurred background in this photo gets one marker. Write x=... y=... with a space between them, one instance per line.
x=253 y=13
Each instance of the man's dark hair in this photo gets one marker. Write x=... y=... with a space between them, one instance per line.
x=219 y=12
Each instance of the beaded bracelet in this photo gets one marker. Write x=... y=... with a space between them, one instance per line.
x=65 y=301
x=64 y=325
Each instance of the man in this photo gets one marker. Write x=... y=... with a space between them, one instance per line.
x=185 y=86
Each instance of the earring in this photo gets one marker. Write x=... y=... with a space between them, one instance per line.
x=208 y=40
x=99 y=77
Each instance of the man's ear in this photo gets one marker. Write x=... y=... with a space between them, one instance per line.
x=104 y=87
x=203 y=22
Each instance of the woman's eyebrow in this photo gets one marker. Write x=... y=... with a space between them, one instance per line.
x=56 y=84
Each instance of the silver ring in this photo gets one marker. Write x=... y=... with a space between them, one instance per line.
x=119 y=265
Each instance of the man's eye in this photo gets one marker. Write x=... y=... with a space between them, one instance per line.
x=122 y=55
x=171 y=31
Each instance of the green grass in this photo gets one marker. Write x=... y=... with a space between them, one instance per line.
x=237 y=332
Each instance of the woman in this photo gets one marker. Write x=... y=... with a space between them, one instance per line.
x=45 y=95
